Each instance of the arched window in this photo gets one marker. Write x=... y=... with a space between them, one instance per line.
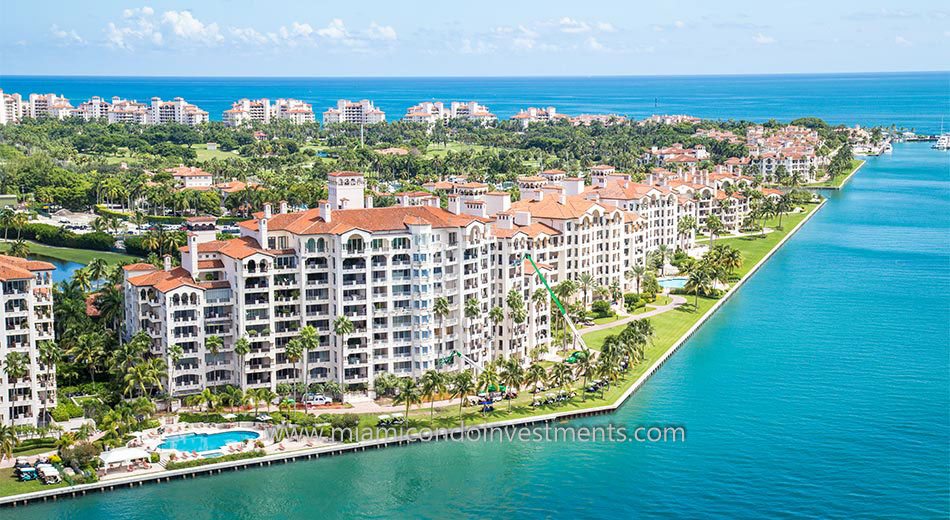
x=311 y=245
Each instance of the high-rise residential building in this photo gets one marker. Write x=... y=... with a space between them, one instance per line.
x=94 y=108
x=245 y=111
x=11 y=108
x=538 y=115
x=125 y=111
x=175 y=111
x=47 y=105
x=432 y=112
x=360 y=112
x=27 y=316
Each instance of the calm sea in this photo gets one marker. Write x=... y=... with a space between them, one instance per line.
x=912 y=100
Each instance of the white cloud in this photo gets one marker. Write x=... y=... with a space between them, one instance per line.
x=138 y=11
x=69 y=36
x=335 y=31
x=476 y=47
x=185 y=26
x=904 y=42
x=763 y=39
x=570 y=25
x=594 y=45
x=250 y=36
x=136 y=27
x=605 y=27
x=381 y=32
x=679 y=24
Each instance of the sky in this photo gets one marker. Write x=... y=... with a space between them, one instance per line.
x=484 y=38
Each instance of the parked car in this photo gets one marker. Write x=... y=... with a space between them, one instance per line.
x=316 y=400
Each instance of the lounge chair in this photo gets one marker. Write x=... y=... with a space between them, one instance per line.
x=281 y=447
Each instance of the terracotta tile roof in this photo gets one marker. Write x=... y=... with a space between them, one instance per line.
x=141 y=266
x=621 y=190
x=530 y=270
x=188 y=171
x=551 y=207
x=344 y=174
x=164 y=281
x=237 y=248
x=210 y=264
x=14 y=268
x=392 y=218
x=532 y=230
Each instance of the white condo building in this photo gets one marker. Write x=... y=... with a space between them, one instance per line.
x=245 y=111
x=175 y=111
x=433 y=112
x=360 y=112
x=47 y=105
x=125 y=111
x=27 y=316
x=538 y=115
x=11 y=108
x=384 y=268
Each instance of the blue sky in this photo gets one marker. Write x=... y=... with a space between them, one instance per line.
x=485 y=38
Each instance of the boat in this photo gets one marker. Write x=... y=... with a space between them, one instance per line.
x=888 y=148
x=943 y=142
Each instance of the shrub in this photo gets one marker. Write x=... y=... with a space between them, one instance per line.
x=154 y=457
x=341 y=426
x=225 y=458
x=59 y=237
x=65 y=411
x=601 y=309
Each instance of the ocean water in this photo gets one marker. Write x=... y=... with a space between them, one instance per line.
x=911 y=100
x=819 y=391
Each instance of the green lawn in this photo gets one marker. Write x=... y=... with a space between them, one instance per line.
x=838 y=180
x=437 y=150
x=9 y=485
x=753 y=248
x=81 y=256
x=206 y=155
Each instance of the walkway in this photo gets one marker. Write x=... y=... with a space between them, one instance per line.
x=675 y=301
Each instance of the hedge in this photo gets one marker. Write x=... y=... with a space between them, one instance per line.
x=158 y=219
x=32 y=444
x=59 y=237
x=65 y=411
x=213 y=460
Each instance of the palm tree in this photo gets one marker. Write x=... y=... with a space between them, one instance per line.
x=636 y=273
x=142 y=376
x=512 y=376
x=487 y=379
x=440 y=308
x=293 y=351
x=684 y=227
x=408 y=394
x=6 y=218
x=97 y=269
x=19 y=249
x=8 y=441
x=699 y=280
x=16 y=365
x=242 y=347
x=714 y=226
x=209 y=397
x=535 y=375
x=462 y=386
x=49 y=356
x=341 y=327
x=584 y=365
x=496 y=315
x=561 y=375
x=663 y=251
x=540 y=298
x=309 y=340
x=213 y=344
x=432 y=382
x=586 y=281
x=88 y=350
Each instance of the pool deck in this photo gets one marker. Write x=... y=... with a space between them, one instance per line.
x=290 y=455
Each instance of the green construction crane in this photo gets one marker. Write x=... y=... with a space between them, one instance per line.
x=560 y=306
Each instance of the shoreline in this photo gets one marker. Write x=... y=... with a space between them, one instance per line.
x=844 y=181
x=309 y=454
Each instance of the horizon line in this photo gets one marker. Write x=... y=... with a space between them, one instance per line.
x=527 y=76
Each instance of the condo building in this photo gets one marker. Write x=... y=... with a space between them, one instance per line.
x=792 y=147
x=94 y=108
x=245 y=111
x=360 y=112
x=175 y=111
x=27 y=316
x=125 y=111
x=11 y=108
x=538 y=115
x=433 y=112
x=47 y=105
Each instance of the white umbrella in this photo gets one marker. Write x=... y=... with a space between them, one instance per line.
x=229 y=416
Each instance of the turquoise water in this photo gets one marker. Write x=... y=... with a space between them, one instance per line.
x=64 y=268
x=673 y=283
x=819 y=391
x=911 y=99
x=205 y=441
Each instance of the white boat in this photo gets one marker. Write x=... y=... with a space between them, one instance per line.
x=888 y=148
x=943 y=142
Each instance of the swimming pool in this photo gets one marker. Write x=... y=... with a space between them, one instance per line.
x=677 y=282
x=205 y=441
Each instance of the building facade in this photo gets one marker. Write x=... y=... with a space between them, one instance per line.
x=27 y=317
x=246 y=111
x=360 y=113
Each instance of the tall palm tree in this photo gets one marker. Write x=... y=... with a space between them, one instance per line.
x=342 y=326
x=584 y=365
x=19 y=249
x=293 y=350
x=663 y=252
x=432 y=383
x=684 y=227
x=535 y=375
x=699 y=279
x=408 y=394
x=512 y=376
x=6 y=219
x=561 y=375
x=88 y=350
x=440 y=308
x=463 y=385
x=16 y=365
x=636 y=273
x=49 y=356
x=715 y=227
x=309 y=340
x=586 y=282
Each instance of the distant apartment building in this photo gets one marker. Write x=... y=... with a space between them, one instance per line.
x=601 y=119
x=671 y=119
x=531 y=115
x=27 y=316
x=175 y=111
x=191 y=178
x=11 y=108
x=433 y=112
x=47 y=105
x=126 y=111
x=793 y=148
x=94 y=108
x=245 y=111
x=360 y=112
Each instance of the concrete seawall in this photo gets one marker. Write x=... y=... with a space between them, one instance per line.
x=325 y=451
